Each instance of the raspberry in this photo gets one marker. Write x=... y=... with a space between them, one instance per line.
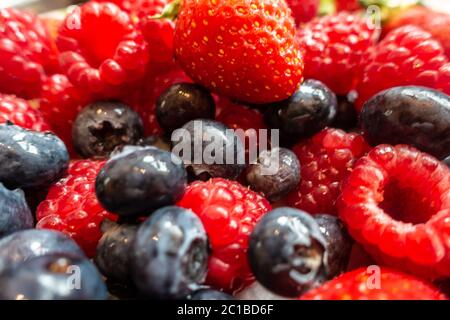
x=396 y=203
x=21 y=113
x=363 y=284
x=326 y=159
x=303 y=10
x=27 y=53
x=348 y=5
x=406 y=56
x=101 y=50
x=72 y=207
x=229 y=212
x=334 y=49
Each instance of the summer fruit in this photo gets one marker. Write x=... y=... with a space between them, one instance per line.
x=101 y=50
x=113 y=255
x=335 y=46
x=229 y=211
x=347 y=5
x=160 y=142
x=287 y=251
x=303 y=10
x=310 y=109
x=170 y=254
x=220 y=151
x=102 y=126
x=395 y=203
x=210 y=294
x=276 y=173
x=346 y=117
x=21 y=113
x=50 y=277
x=406 y=56
x=15 y=214
x=182 y=103
x=30 y=159
x=362 y=284
x=27 y=53
x=136 y=182
x=416 y=116
x=24 y=245
x=72 y=208
x=243 y=50
x=326 y=159
x=338 y=244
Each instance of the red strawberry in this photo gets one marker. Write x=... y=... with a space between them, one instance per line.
x=242 y=49
x=303 y=10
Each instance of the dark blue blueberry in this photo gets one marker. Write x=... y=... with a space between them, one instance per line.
x=447 y=161
x=346 y=117
x=412 y=115
x=209 y=149
x=160 y=142
x=338 y=244
x=102 y=126
x=53 y=277
x=276 y=174
x=170 y=254
x=184 y=102
x=210 y=294
x=14 y=213
x=310 y=109
x=287 y=252
x=139 y=180
x=27 y=244
x=30 y=159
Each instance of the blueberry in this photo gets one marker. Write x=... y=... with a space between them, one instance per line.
x=447 y=161
x=287 y=252
x=310 y=109
x=160 y=142
x=412 y=115
x=184 y=102
x=136 y=182
x=170 y=254
x=209 y=149
x=53 y=277
x=27 y=244
x=338 y=244
x=30 y=159
x=15 y=214
x=276 y=173
x=113 y=250
x=102 y=126
x=210 y=294
x=346 y=117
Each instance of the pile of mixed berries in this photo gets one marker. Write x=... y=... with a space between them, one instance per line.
x=92 y=105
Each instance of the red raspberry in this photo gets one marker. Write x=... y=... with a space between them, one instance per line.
x=361 y=284
x=406 y=56
x=21 y=113
x=229 y=212
x=348 y=5
x=396 y=203
x=334 y=49
x=27 y=52
x=303 y=10
x=71 y=206
x=139 y=7
x=101 y=51
x=326 y=159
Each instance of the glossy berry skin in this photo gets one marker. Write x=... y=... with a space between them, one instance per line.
x=21 y=113
x=335 y=46
x=406 y=56
x=229 y=212
x=287 y=251
x=214 y=163
x=346 y=116
x=72 y=207
x=15 y=214
x=25 y=245
x=102 y=52
x=276 y=173
x=338 y=244
x=135 y=182
x=49 y=278
x=244 y=50
x=170 y=254
x=102 y=126
x=412 y=115
x=113 y=254
x=182 y=103
x=358 y=285
x=326 y=159
x=30 y=159
x=210 y=294
x=310 y=109
x=395 y=203
x=303 y=10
